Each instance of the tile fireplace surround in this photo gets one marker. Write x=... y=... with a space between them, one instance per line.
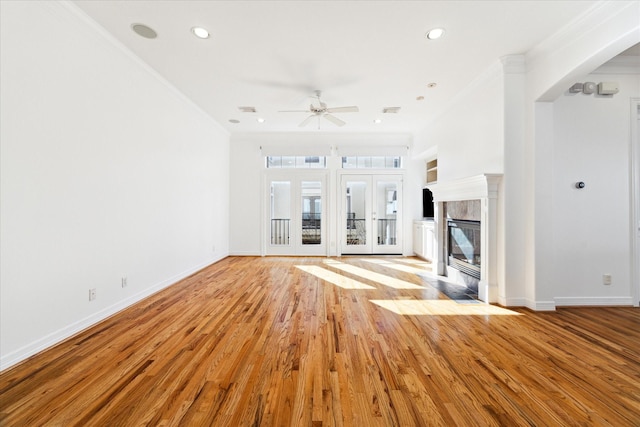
x=485 y=188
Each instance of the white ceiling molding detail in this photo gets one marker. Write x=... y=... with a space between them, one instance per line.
x=592 y=39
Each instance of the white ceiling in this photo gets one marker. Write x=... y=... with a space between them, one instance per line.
x=272 y=55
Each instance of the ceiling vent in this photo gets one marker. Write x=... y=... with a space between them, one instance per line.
x=247 y=109
x=390 y=110
x=144 y=31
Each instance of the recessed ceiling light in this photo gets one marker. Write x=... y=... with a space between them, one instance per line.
x=390 y=110
x=436 y=33
x=377 y=121
x=247 y=109
x=432 y=85
x=234 y=121
x=260 y=120
x=200 y=32
x=144 y=31
x=420 y=98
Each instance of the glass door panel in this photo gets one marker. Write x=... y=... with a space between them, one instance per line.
x=295 y=220
x=371 y=214
x=311 y=196
x=356 y=213
x=280 y=218
x=386 y=213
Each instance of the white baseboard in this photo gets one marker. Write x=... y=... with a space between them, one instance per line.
x=569 y=302
x=593 y=301
x=244 y=253
x=541 y=305
x=68 y=331
x=513 y=302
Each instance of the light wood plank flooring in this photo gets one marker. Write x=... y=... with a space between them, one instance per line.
x=349 y=341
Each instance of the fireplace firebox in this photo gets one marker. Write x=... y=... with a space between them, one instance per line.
x=464 y=246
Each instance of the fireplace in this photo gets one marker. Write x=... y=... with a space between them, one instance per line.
x=485 y=192
x=463 y=248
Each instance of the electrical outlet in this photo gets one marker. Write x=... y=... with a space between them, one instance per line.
x=606 y=279
x=92 y=294
x=123 y=282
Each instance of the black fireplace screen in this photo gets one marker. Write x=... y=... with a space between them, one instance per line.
x=464 y=246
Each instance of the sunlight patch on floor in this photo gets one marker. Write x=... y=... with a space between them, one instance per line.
x=334 y=278
x=441 y=308
x=391 y=282
x=416 y=262
x=393 y=265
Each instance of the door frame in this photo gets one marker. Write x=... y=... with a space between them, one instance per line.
x=341 y=214
x=634 y=168
x=295 y=176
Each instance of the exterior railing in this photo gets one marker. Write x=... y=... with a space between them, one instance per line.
x=387 y=233
x=280 y=231
x=356 y=231
x=311 y=229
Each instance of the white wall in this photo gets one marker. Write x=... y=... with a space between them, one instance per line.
x=552 y=67
x=470 y=133
x=591 y=228
x=245 y=203
x=106 y=172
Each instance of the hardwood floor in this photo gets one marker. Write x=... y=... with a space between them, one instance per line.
x=346 y=341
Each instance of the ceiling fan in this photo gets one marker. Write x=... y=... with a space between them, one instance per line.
x=321 y=110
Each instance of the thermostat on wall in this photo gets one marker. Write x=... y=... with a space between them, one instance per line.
x=608 y=88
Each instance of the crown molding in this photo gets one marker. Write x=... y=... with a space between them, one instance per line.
x=514 y=64
x=590 y=21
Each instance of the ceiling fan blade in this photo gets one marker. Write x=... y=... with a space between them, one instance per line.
x=333 y=119
x=306 y=121
x=352 y=109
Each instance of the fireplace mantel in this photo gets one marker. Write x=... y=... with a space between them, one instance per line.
x=486 y=188
x=471 y=188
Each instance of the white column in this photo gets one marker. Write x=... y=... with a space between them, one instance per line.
x=491 y=288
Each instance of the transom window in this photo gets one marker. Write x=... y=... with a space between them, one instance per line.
x=297 y=162
x=372 y=162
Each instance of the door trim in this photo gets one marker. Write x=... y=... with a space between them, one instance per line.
x=296 y=177
x=634 y=168
x=372 y=247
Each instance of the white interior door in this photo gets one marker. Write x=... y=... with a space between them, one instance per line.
x=371 y=217
x=296 y=215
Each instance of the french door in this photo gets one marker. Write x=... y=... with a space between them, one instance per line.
x=371 y=214
x=296 y=217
